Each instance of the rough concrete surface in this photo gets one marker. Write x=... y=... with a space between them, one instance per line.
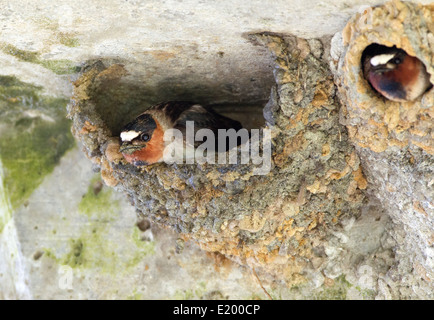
x=66 y=233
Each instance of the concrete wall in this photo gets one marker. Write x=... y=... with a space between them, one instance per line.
x=63 y=234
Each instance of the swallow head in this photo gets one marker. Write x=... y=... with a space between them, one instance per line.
x=142 y=141
x=395 y=74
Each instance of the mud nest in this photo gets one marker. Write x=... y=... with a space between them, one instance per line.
x=395 y=140
x=373 y=121
x=275 y=223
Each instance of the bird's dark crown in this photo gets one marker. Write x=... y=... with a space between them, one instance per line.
x=144 y=121
x=143 y=124
x=378 y=58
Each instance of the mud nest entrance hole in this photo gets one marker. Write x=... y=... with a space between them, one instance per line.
x=119 y=99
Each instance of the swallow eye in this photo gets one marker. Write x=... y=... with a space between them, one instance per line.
x=396 y=60
x=144 y=137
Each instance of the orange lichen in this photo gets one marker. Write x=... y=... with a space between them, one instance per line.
x=114 y=72
x=112 y=152
x=362 y=183
x=88 y=127
x=294 y=144
x=418 y=208
x=107 y=174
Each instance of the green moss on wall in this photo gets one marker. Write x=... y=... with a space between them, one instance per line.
x=34 y=135
x=5 y=210
x=27 y=56
x=135 y=296
x=91 y=251
x=367 y=294
x=198 y=292
x=67 y=39
x=61 y=66
x=77 y=255
x=143 y=247
x=101 y=245
x=336 y=292
x=95 y=249
x=97 y=201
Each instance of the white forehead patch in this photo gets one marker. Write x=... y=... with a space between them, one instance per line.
x=381 y=59
x=129 y=135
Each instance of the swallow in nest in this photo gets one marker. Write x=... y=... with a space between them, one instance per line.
x=395 y=74
x=142 y=140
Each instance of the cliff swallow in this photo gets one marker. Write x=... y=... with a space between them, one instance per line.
x=395 y=74
x=142 y=140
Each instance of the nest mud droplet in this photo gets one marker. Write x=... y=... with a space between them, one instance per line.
x=269 y=222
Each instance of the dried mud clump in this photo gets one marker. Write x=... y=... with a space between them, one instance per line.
x=275 y=223
x=395 y=140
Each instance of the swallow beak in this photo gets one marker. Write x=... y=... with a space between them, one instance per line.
x=129 y=148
